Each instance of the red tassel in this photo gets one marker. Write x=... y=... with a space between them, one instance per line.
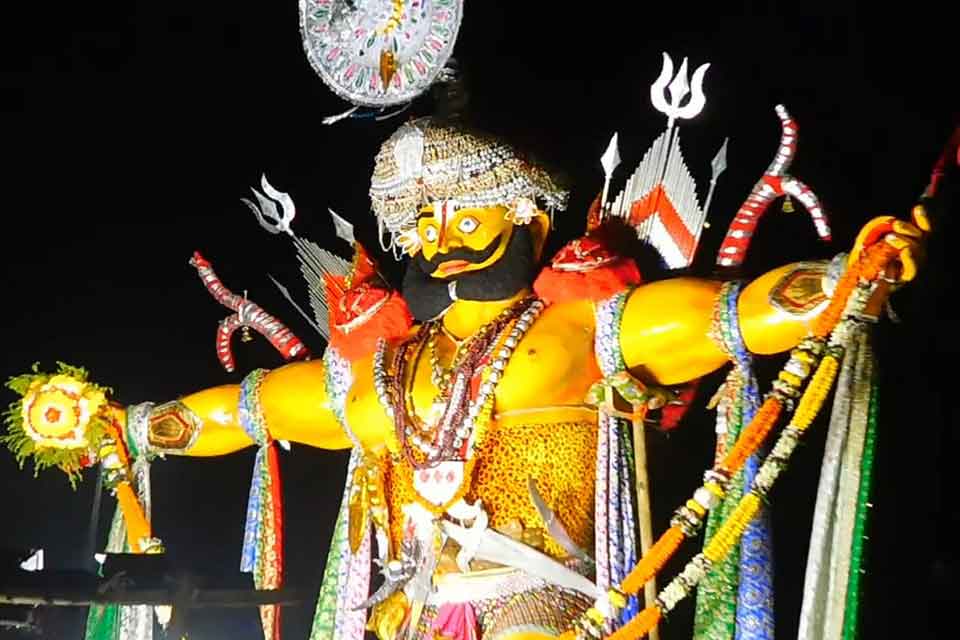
x=672 y=414
x=273 y=560
x=276 y=496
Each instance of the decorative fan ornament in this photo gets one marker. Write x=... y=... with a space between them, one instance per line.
x=378 y=53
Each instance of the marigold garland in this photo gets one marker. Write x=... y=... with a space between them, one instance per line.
x=652 y=561
x=639 y=626
x=816 y=393
x=753 y=435
x=732 y=529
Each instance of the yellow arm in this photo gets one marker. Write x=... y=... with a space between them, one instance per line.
x=295 y=405
x=665 y=326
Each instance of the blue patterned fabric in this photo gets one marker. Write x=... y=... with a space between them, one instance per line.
x=256 y=432
x=755 y=592
x=251 y=528
x=616 y=480
x=631 y=544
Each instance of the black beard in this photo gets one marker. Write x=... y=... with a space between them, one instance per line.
x=429 y=297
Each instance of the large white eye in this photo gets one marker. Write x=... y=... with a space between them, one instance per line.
x=430 y=233
x=468 y=224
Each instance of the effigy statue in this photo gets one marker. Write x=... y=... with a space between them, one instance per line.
x=495 y=404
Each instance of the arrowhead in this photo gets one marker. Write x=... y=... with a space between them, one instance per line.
x=343 y=229
x=282 y=288
x=719 y=162
x=611 y=157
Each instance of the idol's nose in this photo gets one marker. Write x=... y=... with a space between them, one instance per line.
x=448 y=242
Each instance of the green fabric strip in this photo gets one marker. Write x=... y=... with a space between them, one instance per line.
x=851 y=617
x=103 y=620
x=326 y=612
x=716 y=610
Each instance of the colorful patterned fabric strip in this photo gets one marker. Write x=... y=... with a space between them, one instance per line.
x=616 y=532
x=324 y=617
x=609 y=314
x=339 y=379
x=755 y=611
x=262 y=552
x=354 y=568
x=736 y=598
x=346 y=578
x=628 y=511
x=353 y=623
x=329 y=601
x=716 y=607
x=602 y=552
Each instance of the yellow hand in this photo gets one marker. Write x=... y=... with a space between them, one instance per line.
x=909 y=238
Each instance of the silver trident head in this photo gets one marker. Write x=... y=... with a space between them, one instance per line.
x=268 y=215
x=678 y=89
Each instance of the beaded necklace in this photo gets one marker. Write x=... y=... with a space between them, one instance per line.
x=477 y=368
x=440 y=375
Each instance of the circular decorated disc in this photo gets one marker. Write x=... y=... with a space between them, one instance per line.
x=378 y=53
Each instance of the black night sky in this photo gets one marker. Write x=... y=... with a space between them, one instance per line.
x=129 y=135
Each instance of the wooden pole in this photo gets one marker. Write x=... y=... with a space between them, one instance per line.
x=644 y=518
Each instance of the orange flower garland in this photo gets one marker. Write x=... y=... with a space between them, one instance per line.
x=652 y=561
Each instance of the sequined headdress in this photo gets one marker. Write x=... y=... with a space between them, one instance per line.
x=427 y=161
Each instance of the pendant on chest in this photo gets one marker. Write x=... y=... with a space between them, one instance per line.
x=442 y=484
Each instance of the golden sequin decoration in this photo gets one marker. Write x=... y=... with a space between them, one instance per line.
x=559 y=456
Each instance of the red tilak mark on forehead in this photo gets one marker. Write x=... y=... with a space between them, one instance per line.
x=444 y=204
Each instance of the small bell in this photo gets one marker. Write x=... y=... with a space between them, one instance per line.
x=788 y=205
x=245 y=334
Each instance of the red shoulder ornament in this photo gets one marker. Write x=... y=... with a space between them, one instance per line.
x=364 y=309
x=586 y=269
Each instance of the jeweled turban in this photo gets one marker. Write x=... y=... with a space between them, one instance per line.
x=426 y=161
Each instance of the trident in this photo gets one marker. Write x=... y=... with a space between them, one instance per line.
x=678 y=89
x=666 y=99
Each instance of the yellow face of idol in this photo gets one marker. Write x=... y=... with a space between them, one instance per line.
x=473 y=238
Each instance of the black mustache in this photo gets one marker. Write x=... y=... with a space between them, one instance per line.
x=466 y=254
x=428 y=297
